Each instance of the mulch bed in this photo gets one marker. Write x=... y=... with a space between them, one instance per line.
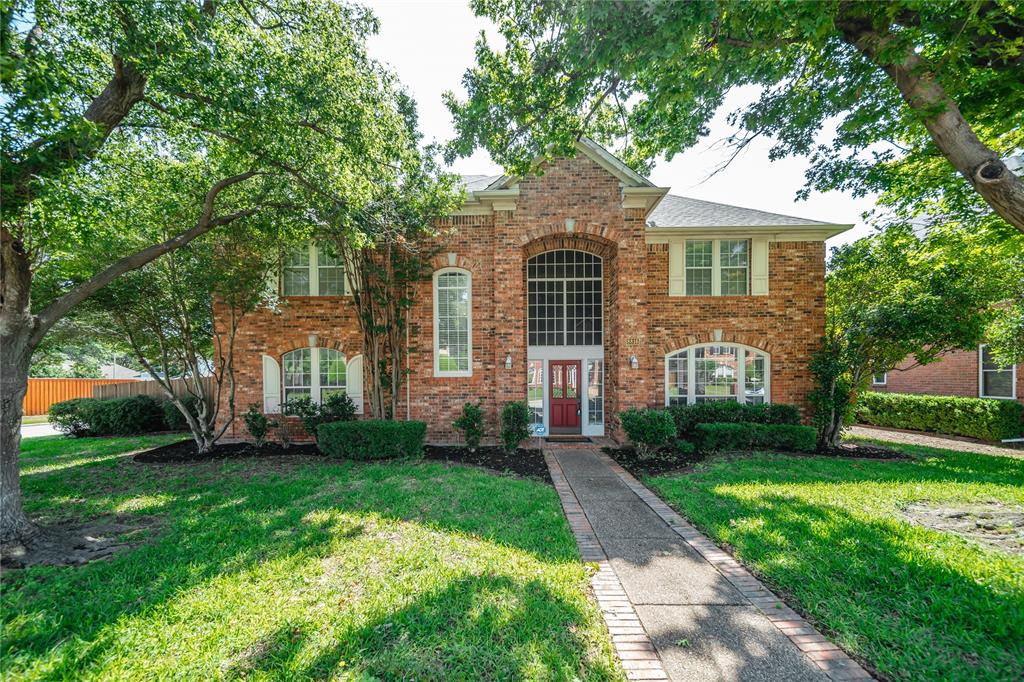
x=184 y=452
x=527 y=462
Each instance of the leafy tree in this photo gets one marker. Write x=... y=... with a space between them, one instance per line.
x=275 y=99
x=926 y=96
x=896 y=295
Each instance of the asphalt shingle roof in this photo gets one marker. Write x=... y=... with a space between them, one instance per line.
x=473 y=183
x=676 y=211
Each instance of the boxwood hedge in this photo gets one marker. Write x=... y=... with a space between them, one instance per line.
x=372 y=439
x=984 y=418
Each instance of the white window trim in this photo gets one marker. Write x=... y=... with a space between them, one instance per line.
x=883 y=382
x=314 y=368
x=314 y=277
x=716 y=267
x=565 y=300
x=469 y=326
x=981 y=378
x=741 y=372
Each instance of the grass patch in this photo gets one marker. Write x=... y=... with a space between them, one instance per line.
x=917 y=603
x=301 y=567
x=36 y=419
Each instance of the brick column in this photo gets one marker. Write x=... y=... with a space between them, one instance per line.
x=509 y=310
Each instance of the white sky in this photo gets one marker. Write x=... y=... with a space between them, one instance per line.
x=430 y=45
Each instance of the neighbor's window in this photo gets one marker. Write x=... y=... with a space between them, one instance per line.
x=717 y=267
x=452 y=323
x=995 y=381
x=880 y=379
x=716 y=372
x=313 y=372
x=312 y=271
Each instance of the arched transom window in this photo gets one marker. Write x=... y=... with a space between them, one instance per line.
x=716 y=372
x=564 y=299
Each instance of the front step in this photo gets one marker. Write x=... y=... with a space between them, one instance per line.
x=567 y=438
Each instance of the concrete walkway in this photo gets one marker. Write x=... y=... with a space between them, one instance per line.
x=676 y=605
x=36 y=430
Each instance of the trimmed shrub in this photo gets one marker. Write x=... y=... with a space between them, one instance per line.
x=984 y=418
x=748 y=436
x=371 y=439
x=173 y=418
x=114 y=417
x=337 y=408
x=515 y=424
x=729 y=411
x=648 y=430
x=257 y=424
x=72 y=416
x=471 y=423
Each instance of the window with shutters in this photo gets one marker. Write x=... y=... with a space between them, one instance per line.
x=718 y=267
x=314 y=373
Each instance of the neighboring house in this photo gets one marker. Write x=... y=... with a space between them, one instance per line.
x=585 y=291
x=965 y=373
x=115 y=371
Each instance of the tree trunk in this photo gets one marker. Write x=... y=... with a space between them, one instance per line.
x=16 y=331
x=952 y=134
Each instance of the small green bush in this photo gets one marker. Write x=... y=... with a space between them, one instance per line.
x=515 y=424
x=126 y=416
x=174 y=420
x=648 y=430
x=984 y=418
x=471 y=423
x=72 y=416
x=729 y=411
x=338 y=407
x=257 y=424
x=749 y=436
x=372 y=439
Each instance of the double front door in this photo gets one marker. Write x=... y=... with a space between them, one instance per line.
x=565 y=401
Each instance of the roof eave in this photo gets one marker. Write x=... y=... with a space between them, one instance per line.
x=809 y=232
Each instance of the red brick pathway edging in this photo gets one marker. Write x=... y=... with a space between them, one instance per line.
x=632 y=644
x=832 y=660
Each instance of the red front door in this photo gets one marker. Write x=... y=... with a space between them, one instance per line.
x=565 y=396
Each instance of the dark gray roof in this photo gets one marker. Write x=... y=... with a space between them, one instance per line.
x=474 y=183
x=676 y=211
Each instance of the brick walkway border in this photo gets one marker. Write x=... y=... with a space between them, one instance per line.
x=832 y=660
x=632 y=644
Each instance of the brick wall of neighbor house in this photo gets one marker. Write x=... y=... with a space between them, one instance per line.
x=955 y=374
x=787 y=323
x=640 y=318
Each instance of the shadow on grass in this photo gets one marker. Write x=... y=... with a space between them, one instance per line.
x=228 y=518
x=914 y=602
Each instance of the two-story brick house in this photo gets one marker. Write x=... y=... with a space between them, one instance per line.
x=585 y=290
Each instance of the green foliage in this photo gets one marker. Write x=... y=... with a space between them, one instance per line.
x=982 y=418
x=257 y=424
x=515 y=424
x=372 y=439
x=654 y=74
x=831 y=398
x=649 y=430
x=751 y=436
x=687 y=417
x=471 y=423
x=335 y=408
x=173 y=418
x=113 y=417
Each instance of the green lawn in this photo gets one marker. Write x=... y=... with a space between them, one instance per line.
x=36 y=419
x=918 y=604
x=296 y=568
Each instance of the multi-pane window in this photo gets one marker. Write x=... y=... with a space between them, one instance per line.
x=734 y=261
x=452 y=323
x=716 y=267
x=564 y=299
x=699 y=266
x=535 y=390
x=313 y=372
x=995 y=380
x=880 y=379
x=716 y=372
x=595 y=392
x=312 y=271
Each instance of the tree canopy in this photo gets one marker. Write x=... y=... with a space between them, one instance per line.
x=927 y=98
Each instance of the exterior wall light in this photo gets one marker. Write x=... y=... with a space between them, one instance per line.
x=633 y=362
x=508 y=361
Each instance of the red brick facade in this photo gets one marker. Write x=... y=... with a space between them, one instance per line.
x=955 y=374
x=576 y=204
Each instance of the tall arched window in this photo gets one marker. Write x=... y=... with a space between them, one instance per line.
x=564 y=299
x=313 y=372
x=716 y=371
x=453 y=327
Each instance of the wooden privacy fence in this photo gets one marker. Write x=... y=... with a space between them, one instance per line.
x=45 y=392
x=148 y=387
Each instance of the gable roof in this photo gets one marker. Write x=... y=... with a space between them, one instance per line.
x=677 y=211
x=595 y=152
x=473 y=183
